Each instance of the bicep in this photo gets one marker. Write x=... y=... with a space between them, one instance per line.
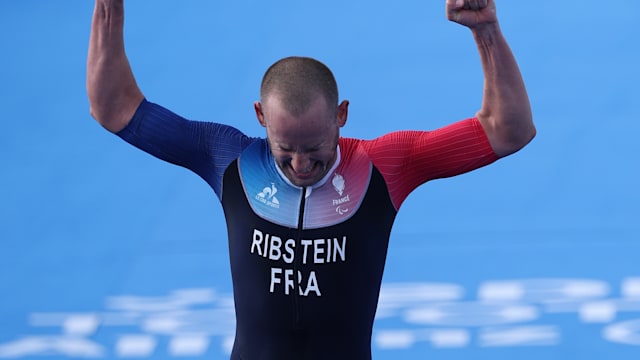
x=206 y=148
x=408 y=159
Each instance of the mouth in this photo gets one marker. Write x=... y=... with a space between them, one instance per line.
x=306 y=174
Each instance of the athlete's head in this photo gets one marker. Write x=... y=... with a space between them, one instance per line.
x=299 y=108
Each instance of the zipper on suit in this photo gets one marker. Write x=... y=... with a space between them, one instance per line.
x=297 y=258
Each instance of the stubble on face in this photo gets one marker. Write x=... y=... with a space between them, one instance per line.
x=304 y=146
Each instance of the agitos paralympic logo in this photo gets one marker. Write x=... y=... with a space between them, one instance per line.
x=200 y=322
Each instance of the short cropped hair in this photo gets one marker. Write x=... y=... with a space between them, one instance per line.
x=297 y=81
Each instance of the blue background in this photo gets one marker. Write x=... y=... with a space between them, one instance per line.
x=106 y=252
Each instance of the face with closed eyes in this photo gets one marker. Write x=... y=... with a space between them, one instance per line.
x=304 y=146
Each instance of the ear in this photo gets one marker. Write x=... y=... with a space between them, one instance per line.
x=257 y=106
x=343 y=112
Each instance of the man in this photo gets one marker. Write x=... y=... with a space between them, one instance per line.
x=309 y=213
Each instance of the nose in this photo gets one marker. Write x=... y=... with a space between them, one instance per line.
x=300 y=163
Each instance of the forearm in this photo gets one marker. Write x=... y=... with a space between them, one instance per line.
x=111 y=87
x=506 y=111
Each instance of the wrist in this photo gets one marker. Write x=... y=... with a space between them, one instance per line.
x=486 y=33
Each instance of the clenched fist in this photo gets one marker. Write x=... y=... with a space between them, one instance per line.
x=471 y=13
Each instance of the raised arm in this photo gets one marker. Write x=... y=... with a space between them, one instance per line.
x=506 y=112
x=113 y=93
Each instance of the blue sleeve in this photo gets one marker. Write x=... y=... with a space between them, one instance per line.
x=206 y=148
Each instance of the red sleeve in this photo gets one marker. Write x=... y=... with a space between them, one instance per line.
x=408 y=159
